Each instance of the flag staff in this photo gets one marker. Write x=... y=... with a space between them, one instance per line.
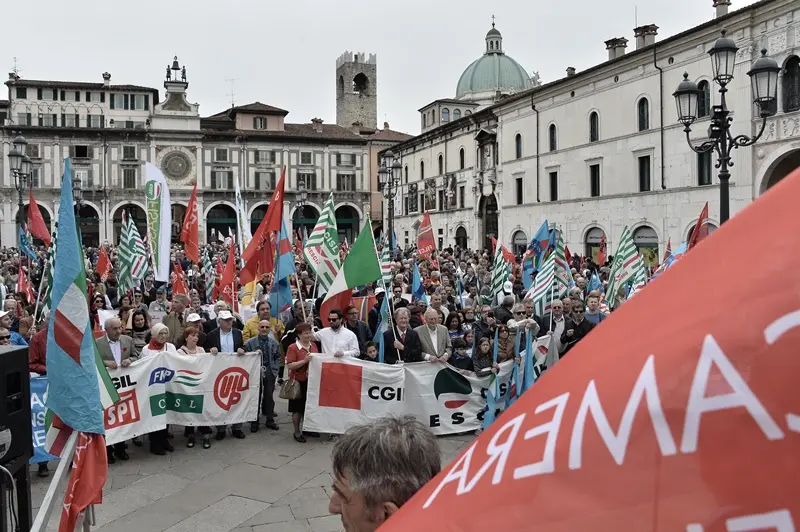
x=39 y=292
x=383 y=283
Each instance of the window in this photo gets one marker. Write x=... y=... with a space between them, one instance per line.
x=518 y=146
x=345 y=159
x=259 y=122
x=221 y=155
x=305 y=157
x=34 y=151
x=594 y=127
x=405 y=204
x=129 y=153
x=462 y=192
x=265 y=157
x=467 y=112
x=422 y=169
x=445 y=115
x=86 y=177
x=69 y=120
x=310 y=179
x=48 y=120
x=22 y=93
x=433 y=117
x=48 y=94
x=552 y=135
x=644 y=173
x=791 y=85
x=34 y=177
x=421 y=204
x=461 y=159
x=221 y=180
x=95 y=121
x=553 y=186
x=519 y=191
x=424 y=120
x=71 y=96
x=137 y=102
x=82 y=152
x=129 y=177
x=441 y=164
x=346 y=182
x=594 y=180
x=643 y=114
x=440 y=200
x=24 y=119
x=405 y=173
x=704 y=168
x=265 y=180
x=95 y=97
x=456 y=114
x=703 y=99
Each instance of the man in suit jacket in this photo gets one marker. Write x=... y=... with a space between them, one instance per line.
x=434 y=338
x=406 y=347
x=116 y=350
x=175 y=320
x=226 y=339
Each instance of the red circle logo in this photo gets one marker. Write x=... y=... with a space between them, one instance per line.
x=229 y=386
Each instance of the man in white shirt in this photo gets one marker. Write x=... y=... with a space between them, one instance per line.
x=436 y=304
x=435 y=339
x=337 y=339
x=116 y=350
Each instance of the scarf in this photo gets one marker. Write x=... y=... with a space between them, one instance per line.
x=155 y=345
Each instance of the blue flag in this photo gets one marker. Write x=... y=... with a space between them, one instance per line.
x=493 y=393
x=384 y=321
x=280 y=295
x=529 y=376
x=527 y=271
x=515 y=387
x=595 y=284
x=74 y=391
x=540 y=243
x=24 y=245
x=417 y=288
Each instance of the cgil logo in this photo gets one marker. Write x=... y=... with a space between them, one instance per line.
x=386 y=393
x=229 y=386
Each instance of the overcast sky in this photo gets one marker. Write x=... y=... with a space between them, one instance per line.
x=284 y=53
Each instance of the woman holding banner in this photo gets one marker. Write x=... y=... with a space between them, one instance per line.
x=297 y=358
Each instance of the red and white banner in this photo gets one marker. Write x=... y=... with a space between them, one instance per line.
x=690 y=422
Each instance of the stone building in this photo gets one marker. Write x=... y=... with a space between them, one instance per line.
x=109 y=131
x=599 y=149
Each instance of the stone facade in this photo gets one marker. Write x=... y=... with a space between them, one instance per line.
x=601 y=149
x=357 y=90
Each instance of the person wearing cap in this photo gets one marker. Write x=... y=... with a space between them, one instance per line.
x=160 y=304
x=193 y=321
x=176 y=318
x=508 y=290
x=226 y=339
x=6 y=321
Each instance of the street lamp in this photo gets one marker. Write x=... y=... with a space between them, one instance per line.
x=21 y=167
x=77 y=195
x=764 y=81
x=389 y=175
x=302 y=197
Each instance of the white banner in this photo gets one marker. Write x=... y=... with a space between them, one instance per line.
x=189 y=390
x=343 y=392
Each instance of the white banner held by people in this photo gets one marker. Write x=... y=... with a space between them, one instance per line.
x=188 y=390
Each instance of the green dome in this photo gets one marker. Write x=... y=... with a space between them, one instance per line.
x=493 y=72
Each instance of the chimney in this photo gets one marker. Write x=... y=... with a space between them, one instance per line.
x=722 y=7
x=616 y=47
x=12 y=76
x=645 y=35
x=386 y=125
x=316 y=123
x=356 y=129
x=570 y=71
x=106 y=79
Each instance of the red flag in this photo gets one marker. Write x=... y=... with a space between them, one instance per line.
x=700 y=230
x=601 y=253
x=36 y=223
x=228 y=282
x=24 y=287
x=262 y=246
x=668 y=251
x=298 y=243
x=190 y=232
x=426 y=245
x=507 y=255
x=567 y=255
x=86 y=481
x=103 y=264
x=692 y=426
x=179 y=285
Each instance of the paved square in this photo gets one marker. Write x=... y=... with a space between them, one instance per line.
x=264 y=483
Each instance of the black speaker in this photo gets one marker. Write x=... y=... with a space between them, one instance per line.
x=16 y=444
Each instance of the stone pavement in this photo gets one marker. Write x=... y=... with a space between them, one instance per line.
x=264 y=483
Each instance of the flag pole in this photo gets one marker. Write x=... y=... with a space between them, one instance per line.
x=300 y=295
x=39 y=292
x=552 y=289
x=383 y=283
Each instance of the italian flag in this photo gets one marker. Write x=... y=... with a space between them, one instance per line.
x=360 y=267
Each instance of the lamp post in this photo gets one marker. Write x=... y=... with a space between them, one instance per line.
x=764 y=81
x=302 y=190
x=20 y=168
x=389 y=175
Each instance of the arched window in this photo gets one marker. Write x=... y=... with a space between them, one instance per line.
x=791 y=85
x=445 y=115
x=594 y=127
x=518 y=146
x=433 y=117
x=424 y=120
x=491 y=45
x=441 y=164
x=703 y=99
x=405 y=171
x=456 y=114
x=553 y=137
x=461 y=159
x=645 y=239
x=643 y=114
x=422 y=169
x=467 y=113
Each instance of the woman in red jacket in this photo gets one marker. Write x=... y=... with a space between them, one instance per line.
x=297 y=358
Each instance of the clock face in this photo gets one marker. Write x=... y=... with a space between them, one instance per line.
x=176 y=165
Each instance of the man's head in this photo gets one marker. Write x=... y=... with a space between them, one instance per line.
x=508 y=302
x=431 y=318
x=473 y=291
x=378 y=467
x=264 y=328
x=486 y=312
x=179 y=303
x=528 y=307
x=351 y=314
x=263 y=310
x=557 y=308
x=5 y=337
x=380 y=293
x=161 y=294
x=567 y=302
x=335 y=319
x=10 y=305
x=401 y=317
x=196 y=303
x=581 y=282
x=397 y=291
x=519 y=312
x=436 y=300
x=113 y=329
x=577 y=313
x=5 y=319
x=225 y=320
x=372 y=349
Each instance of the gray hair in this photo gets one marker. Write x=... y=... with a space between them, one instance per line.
x=388 y=460
x=401 y=310
x=519 y=307
x=508 y=301
x=110 y=321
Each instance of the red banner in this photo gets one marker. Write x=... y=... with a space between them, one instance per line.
x=426 y=244
x=690 y=424
x=190 y=232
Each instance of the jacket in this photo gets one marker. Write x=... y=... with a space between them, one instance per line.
x=127 y=349
x=37 y=359
x=580 y=330
x=176 y=327
x=363 y=334
x=212 y=340
x=443 y=345
x=412 y=345
x=251 y=328
x=272 y=359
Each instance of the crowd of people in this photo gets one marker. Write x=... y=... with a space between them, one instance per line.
x=454 y=322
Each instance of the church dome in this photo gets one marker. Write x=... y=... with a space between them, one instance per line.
x=492 y=72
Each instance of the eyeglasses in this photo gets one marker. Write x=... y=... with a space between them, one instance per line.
x=334 y=318
x=4 y=338
x=520 y=313
x=578 y=311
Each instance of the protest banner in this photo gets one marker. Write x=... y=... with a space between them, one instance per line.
x=343 y=392
x=38 y=433
x=689 y=422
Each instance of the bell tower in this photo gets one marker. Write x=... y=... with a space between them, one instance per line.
x=357 y=90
